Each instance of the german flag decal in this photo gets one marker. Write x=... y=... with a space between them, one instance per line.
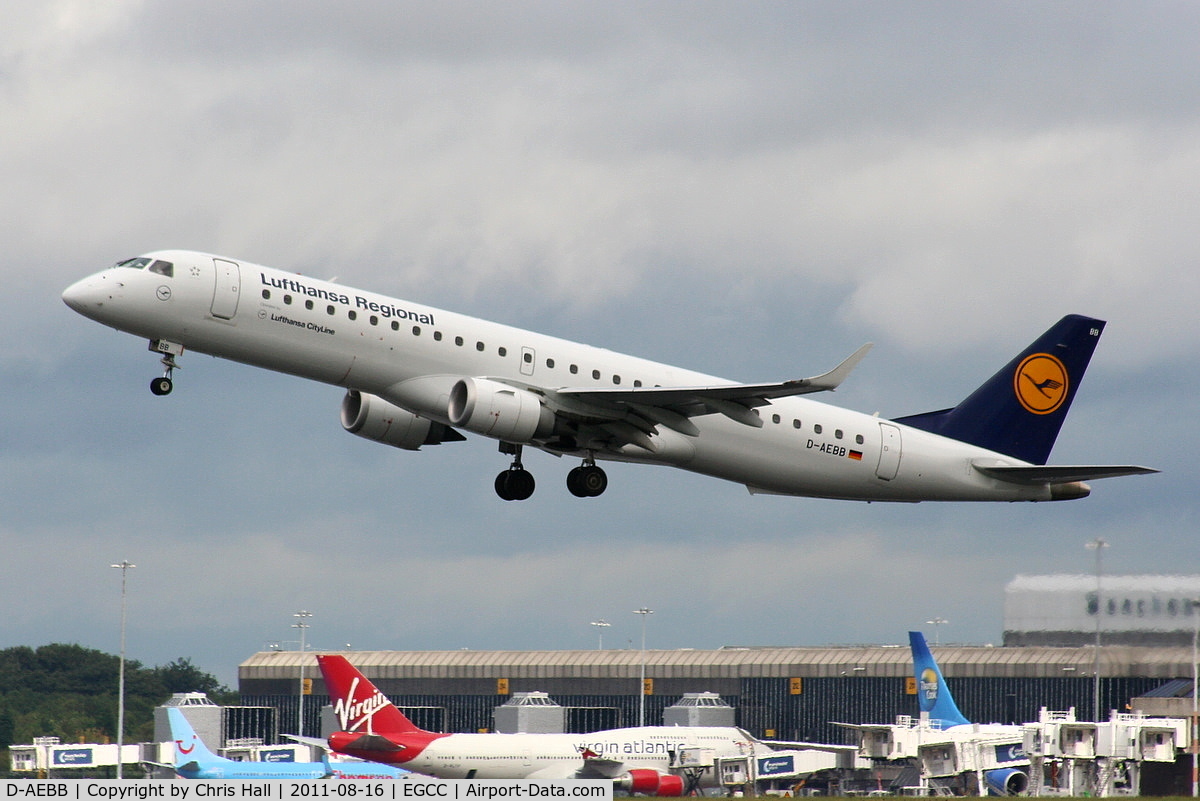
x=855 y=455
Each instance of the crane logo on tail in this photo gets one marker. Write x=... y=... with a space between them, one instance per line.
x=1040 y=383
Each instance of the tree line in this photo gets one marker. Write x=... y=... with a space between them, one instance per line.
x=70 y=692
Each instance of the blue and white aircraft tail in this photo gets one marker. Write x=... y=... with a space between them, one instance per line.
x=937 y=703
x=932 y=693
x=194 y=760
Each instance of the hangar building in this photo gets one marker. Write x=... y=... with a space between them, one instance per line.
x=1132 y=610
x=781 y=693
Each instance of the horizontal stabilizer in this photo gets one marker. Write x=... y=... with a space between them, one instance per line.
x=1060 y=474
x=312 y=742
x=372 y=742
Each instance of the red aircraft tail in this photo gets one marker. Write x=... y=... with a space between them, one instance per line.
x=359 y=705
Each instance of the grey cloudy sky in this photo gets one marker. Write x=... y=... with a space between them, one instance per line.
x=747 y=189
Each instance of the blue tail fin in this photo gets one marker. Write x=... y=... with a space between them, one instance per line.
x=189 y=748
x=1019 y=410
x=932 y=692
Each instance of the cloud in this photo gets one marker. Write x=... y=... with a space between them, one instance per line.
x=751 y=192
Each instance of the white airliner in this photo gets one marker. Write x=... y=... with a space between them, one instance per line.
x=417 y=375
x=651 y=760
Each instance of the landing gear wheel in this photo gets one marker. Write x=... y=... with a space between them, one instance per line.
x=163 y=384
x=515 y=484
x=587 y=481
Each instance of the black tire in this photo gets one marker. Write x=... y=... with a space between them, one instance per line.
x=521 y=484
x=575 y=483
x=161 y=386
x=515 y=485
x=593 y=480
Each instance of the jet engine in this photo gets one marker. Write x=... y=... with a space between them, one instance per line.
x=647 y=781
x=1006 y=781
x=375 y=419
x=497 y=410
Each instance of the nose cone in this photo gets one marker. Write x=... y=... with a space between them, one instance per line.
x=76 y=295
x=89 y=295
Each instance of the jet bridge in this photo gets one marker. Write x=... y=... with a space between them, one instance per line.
x=1070 y=757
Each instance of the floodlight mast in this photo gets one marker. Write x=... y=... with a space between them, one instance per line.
x=643 y=611
x=301 y=623
x=124 y=566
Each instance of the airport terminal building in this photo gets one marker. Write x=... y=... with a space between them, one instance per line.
x=787 y=693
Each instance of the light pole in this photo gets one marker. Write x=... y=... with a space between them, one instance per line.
x=600 y=625
x=301 y=623
x=1195 y=610
x=1098 y=545
x=124 y=567
x=643 y=611
x=937 y=621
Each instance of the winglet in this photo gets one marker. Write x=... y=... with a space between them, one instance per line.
x=832 y=379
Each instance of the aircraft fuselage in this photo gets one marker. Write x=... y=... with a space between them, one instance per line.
x=412 y=356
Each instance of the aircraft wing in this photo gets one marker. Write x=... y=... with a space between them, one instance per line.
x=671 y=406
x=601 y=768
x=804 y=746
x=1059 y=474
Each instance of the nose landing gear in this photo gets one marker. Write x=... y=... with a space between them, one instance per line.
x=163 y=384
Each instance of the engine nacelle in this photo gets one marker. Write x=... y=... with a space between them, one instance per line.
x=670 y=786
x=497 y=410
x=375 y=419
x=647 y=781
x=1007 y=781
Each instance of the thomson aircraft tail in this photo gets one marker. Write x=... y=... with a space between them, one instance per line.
x=194 y=760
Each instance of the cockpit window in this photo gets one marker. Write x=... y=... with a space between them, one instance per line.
x=163 y=268
x=135 y=264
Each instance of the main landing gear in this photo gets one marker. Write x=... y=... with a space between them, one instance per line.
x=516 y=483
x=587 y=480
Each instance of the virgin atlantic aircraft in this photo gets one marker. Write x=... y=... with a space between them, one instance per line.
x=645 y=759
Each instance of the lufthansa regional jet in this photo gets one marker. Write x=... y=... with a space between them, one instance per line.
x=416 y=375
